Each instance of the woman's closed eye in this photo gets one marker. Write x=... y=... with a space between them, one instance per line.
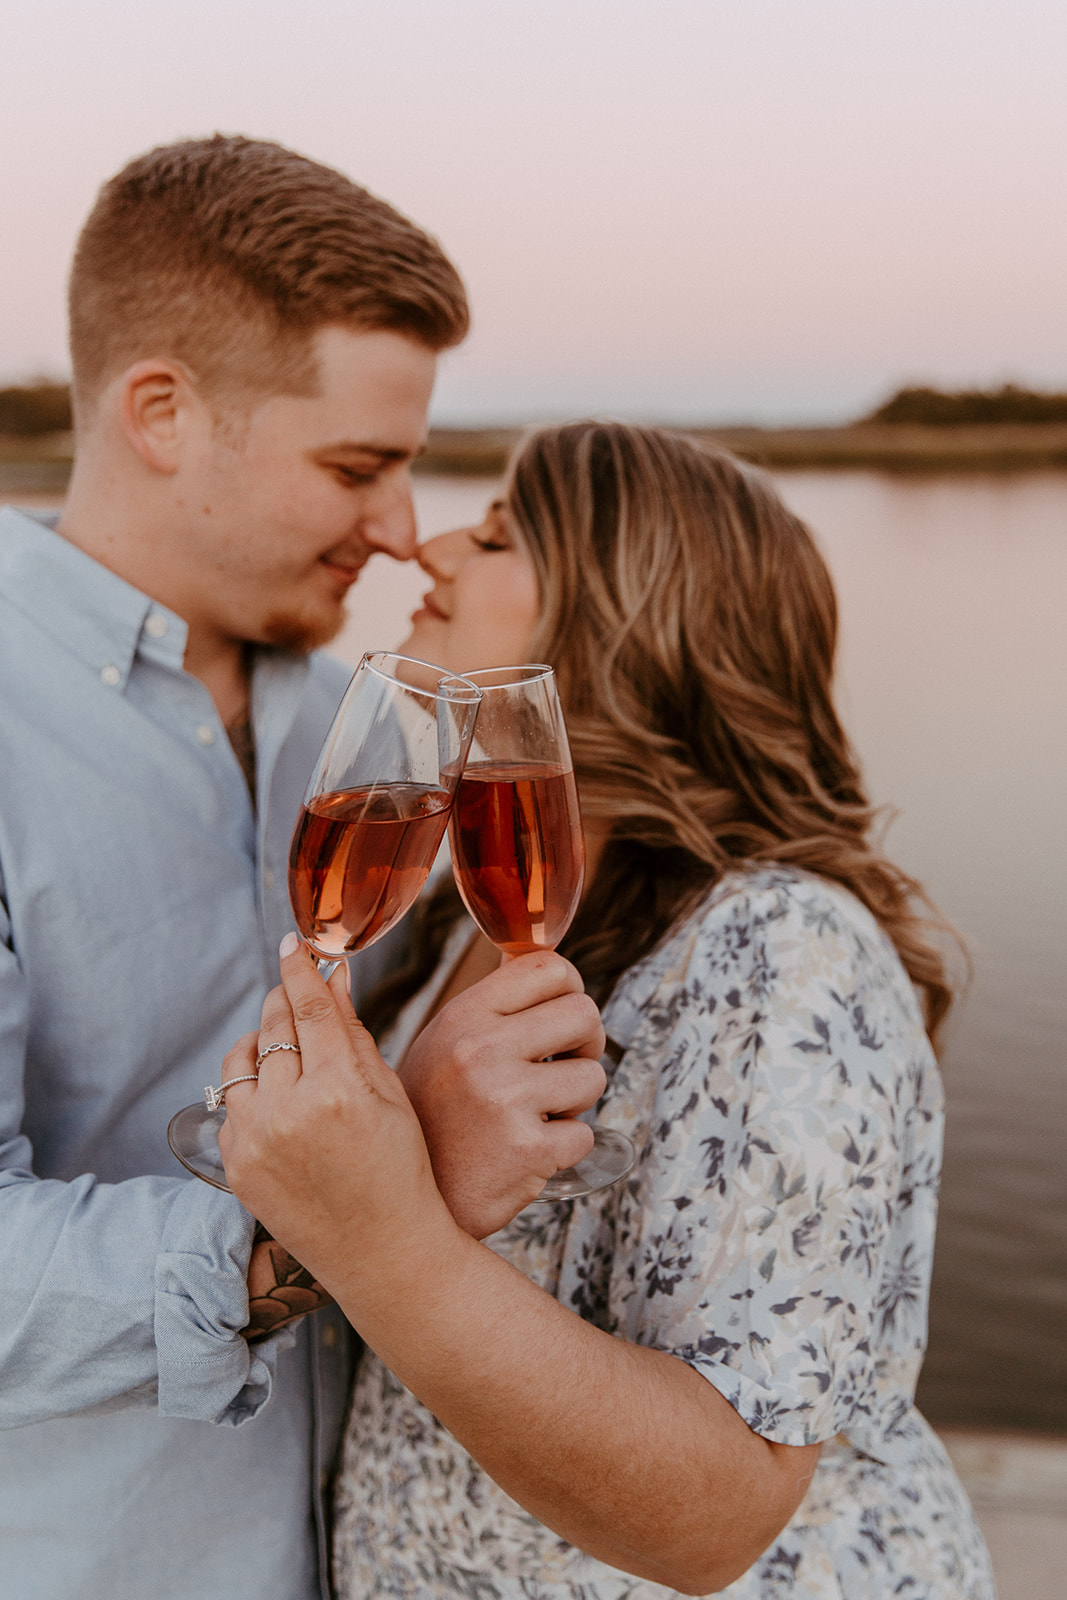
x=496 y=535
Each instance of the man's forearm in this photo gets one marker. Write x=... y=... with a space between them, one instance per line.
x=280 y=1290
x=115 y=1294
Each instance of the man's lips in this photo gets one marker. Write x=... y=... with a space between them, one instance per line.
x=345 y=572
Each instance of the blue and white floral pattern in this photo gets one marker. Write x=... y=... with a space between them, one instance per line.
x=776 y=1234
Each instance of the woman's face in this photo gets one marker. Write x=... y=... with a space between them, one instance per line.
x=483 y=608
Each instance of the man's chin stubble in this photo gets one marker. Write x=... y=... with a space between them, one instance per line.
x=297 y=634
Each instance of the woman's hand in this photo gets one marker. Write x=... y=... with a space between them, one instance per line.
x=328 y=1136
x=325 y=1149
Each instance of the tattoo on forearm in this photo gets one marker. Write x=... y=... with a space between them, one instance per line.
x=279 y=1289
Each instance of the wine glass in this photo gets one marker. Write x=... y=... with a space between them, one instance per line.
x=518 y=852
x=374 y=813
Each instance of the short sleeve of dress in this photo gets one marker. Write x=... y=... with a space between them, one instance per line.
x=755 y=1237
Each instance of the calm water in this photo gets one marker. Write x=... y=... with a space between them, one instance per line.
x=954 y=687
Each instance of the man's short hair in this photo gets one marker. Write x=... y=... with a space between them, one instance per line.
x=228 y=254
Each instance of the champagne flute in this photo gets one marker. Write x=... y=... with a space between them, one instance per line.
x=374 y=813
x=518 y=852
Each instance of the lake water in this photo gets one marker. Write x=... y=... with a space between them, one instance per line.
x=953 y=682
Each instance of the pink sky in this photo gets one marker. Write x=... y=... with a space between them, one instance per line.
x=681 y=209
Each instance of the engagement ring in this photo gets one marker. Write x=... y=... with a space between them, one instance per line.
x=214 y=1098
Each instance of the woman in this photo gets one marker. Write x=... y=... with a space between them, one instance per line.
x=700 y=1380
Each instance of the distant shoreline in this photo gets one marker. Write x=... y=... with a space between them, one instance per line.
x=861 y=446
x=42 y=465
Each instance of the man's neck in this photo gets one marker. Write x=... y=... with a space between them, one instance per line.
x=118 y=533
x=224 y=667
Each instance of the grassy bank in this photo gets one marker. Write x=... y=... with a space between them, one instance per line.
x=862 y=446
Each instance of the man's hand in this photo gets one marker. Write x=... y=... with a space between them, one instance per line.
x=498 y=1115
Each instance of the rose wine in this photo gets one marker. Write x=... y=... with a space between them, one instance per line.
x=518 y=852
x=358 y=860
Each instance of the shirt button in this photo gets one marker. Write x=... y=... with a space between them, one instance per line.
x=156 y=626
x=268 y=879
x=329 y=1336
x=205 y=733
x=110 y=675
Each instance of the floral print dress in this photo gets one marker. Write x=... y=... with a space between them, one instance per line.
x=776 y=1233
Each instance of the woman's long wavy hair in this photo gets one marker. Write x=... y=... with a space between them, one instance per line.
x=692 y=625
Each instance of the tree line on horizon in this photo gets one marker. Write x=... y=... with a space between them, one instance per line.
x=33 y=410
x=939 y=408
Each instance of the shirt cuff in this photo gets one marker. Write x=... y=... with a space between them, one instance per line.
x=207 y=1370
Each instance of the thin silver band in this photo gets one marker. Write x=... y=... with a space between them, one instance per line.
x=214 y=1098
x=269 y=1051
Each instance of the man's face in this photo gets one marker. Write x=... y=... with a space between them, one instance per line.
x=282 y=505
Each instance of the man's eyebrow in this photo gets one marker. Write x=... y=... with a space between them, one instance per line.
x=384 y=452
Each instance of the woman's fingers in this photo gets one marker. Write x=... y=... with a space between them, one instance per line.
x=328 y=1033
x=290 y=1148
x=278 y=1054
x=313 y=1009
x=239 y=1062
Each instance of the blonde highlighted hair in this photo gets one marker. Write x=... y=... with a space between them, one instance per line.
x=692 y=624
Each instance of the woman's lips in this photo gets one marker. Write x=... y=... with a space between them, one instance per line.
x=429 y=608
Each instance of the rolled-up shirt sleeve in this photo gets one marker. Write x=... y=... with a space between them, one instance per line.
x=116 y=1294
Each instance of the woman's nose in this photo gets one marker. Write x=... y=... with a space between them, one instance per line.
x=443 y=555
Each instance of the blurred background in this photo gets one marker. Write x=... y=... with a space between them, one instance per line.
x=761 y=219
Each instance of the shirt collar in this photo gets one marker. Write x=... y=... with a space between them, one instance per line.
x=88 y=610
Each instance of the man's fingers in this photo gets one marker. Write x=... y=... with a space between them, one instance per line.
x=569 y=1024
x=569 y=1141
x=526 y=981
x=563 y=1088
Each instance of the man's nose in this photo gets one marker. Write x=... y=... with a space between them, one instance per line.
x=387 y=522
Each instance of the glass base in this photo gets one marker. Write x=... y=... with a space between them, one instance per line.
x=193 y=1135
x=610 y=1159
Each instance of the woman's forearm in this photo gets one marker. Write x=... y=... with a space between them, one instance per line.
x=624 y=1451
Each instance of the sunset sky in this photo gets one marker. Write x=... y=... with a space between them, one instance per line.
x=685 y=210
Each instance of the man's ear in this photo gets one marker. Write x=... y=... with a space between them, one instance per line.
x=158 y=406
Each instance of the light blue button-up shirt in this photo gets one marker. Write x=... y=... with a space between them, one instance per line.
x=141 y=903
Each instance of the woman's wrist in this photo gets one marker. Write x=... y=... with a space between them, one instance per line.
x=377 y=1271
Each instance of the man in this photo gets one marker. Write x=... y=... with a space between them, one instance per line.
x=253 y=343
